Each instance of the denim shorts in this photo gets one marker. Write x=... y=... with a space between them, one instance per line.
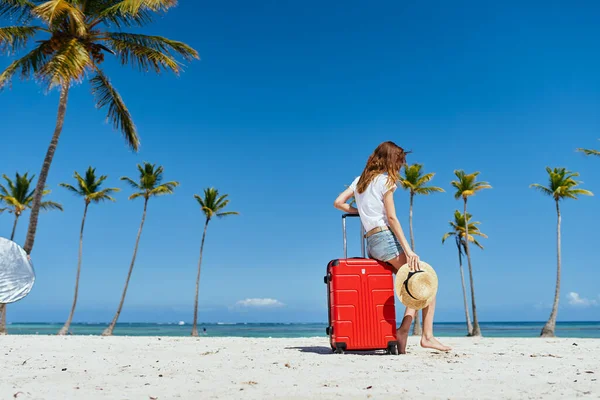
x=383 y=246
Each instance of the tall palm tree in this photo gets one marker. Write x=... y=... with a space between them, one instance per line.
x=88 y=187
x=416 y=183
x=561 y=186
x=589 y=152
x=212 y=205
x=466 y=186
x=70 y=39
x=150 y=185
x=18 y=197
x=458 y=232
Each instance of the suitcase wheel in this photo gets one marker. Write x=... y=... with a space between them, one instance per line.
x=340 y=348
x=393 y=349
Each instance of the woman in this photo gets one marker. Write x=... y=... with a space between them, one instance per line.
x=374 y=194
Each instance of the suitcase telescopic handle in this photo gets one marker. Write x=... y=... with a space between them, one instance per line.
x=362 y=235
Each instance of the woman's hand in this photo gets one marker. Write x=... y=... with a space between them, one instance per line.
x=412 y=260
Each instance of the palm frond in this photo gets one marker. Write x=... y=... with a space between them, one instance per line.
x=147 y=52
x=50 y=205
x=135 y=7
x=481 y=185
x=68 y=64
x=15 y=38
x=447 y=235
x=118 y=114
x=422 y=180
x=27 y=65
x=71 y=189
x=12 y=201
x=589 y=152
x=200 y=200
x=102 y=195
x=165 y=188
x=477 y=243
x=144 y=57
x=209 y=212
x=458 y=193
x=429 y=189
x=221 y=202
x=56 y=12
x=228 y=213
x=573 y=193
x=16 y=9
x=81 y=182
x=131 y=183
x=136 y=195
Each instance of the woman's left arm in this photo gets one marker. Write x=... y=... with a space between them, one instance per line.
x=341 y=202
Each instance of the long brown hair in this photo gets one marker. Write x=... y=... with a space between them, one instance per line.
x=388 y=158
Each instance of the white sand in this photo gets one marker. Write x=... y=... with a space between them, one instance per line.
x=42 y=367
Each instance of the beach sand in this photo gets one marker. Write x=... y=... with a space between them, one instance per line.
x=86 y=367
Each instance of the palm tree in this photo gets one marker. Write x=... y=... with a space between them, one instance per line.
x=458 y=231
x=212 y=205
x=88 y=187
x=466 y=186
x=18 y=197
x=589 y=152
x=149 y=186
x=71 y=38
x=415 y=182
x=561 y=186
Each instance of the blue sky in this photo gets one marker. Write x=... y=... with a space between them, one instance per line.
x=282 y=111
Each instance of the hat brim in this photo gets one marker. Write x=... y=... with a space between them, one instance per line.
x=404 y=297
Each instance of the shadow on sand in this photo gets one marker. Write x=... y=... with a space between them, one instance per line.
x=327 y=350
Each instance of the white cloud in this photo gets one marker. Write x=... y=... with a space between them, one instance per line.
x=259 y=303
x=576 y=300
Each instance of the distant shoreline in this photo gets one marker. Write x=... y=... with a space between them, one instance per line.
x=584 y=329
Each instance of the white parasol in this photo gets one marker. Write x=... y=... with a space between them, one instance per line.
x=16 y=272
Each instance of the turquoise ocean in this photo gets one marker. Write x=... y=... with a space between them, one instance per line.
x=267 y=330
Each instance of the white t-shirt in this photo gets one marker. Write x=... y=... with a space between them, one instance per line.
x=370 y=202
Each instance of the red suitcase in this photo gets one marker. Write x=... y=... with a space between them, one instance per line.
x=360 y=297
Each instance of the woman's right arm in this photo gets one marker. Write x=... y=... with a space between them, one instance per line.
x=341 y=202
x=390 y=210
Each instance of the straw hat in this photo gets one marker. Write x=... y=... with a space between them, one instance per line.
x=416 y=289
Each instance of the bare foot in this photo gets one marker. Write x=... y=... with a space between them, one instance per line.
x=433 y=343
x=402 y=337
x=402 y=334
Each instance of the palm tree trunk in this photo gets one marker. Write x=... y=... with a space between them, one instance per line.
x=464 y=289
x=12 y=235
x=410 y=222
x=3 y=319
x=65 y=329
x=476 y=328
x=41 y=183
x=195 y=324
x=3 y=306
x=109 y=331
x=548 y=329
x=417 y=331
